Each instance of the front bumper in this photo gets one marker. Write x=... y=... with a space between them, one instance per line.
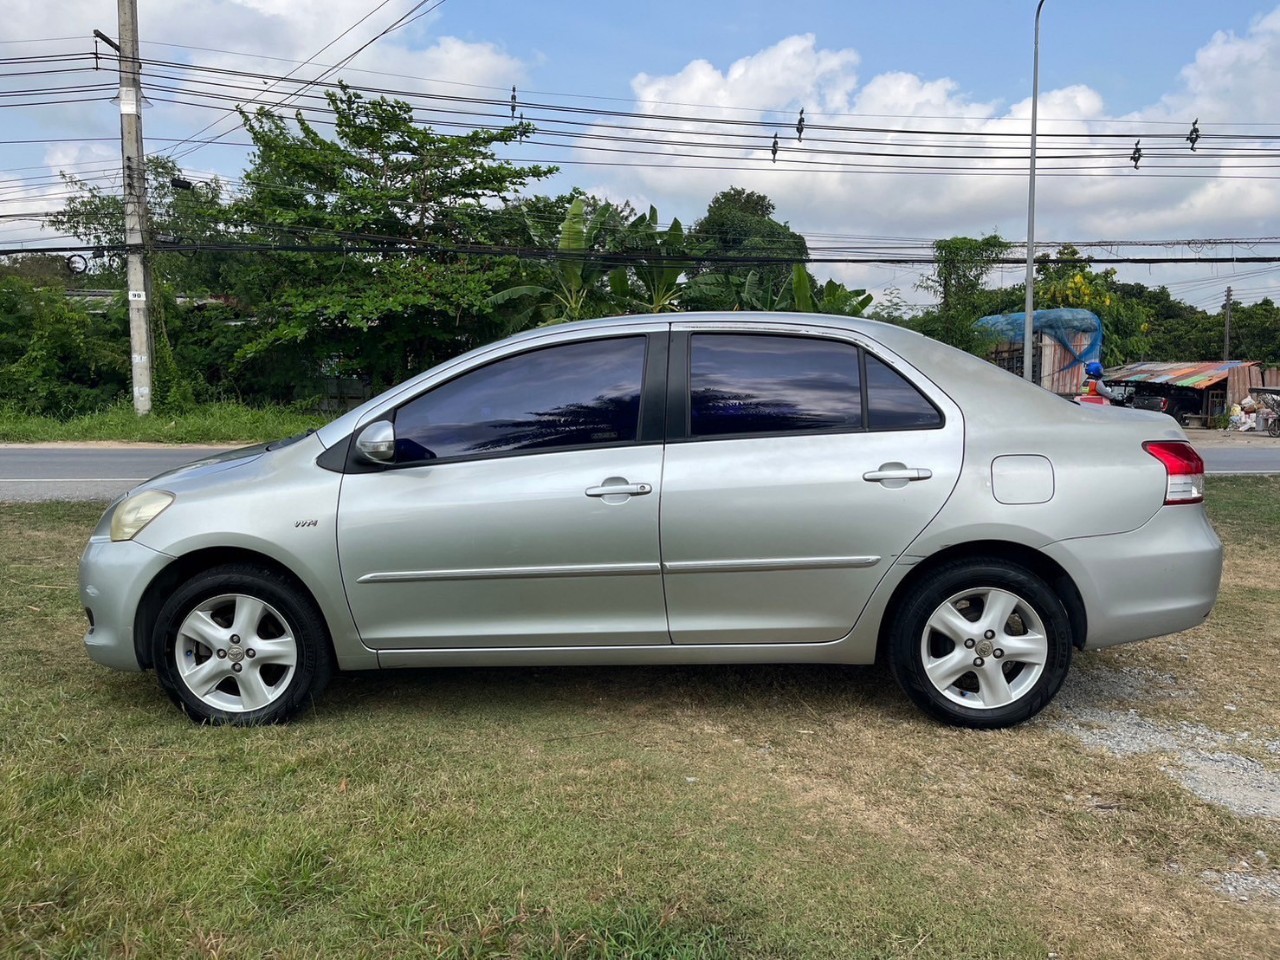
x=1159 y=579
x=113 y=577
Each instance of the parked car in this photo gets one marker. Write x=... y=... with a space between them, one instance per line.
x=667 y=490
x=1178 y=402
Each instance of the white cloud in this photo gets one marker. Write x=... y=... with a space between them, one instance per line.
x=1229 y=85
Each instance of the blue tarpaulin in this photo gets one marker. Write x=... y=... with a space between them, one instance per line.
x=1063 y=324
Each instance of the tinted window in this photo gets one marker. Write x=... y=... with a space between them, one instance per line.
x=894 y=404
x=766 y=384
x=574 y=395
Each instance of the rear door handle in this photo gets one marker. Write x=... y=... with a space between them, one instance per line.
x=898 y=472
x=623 y=489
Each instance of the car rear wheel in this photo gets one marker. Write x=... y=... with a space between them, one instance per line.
x=981 y=643
x=241 y=644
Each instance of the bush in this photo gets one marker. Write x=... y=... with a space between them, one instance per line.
x=56 y=357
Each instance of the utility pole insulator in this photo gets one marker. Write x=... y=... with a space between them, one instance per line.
x=138 y=266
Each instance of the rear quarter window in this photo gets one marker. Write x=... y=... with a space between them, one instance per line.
x=894 y=403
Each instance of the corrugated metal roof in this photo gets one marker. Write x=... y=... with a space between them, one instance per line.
x=1199 y=376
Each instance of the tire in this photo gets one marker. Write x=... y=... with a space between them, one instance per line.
x=241 y=644
x=969 y=667
x=1273 y=428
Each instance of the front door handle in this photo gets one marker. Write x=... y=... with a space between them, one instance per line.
x=896 y=474
x=619 y=487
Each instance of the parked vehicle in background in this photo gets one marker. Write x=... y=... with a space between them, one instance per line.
x=1177 y=402
x=668 y=490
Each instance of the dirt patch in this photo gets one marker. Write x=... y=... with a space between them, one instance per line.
x=1251 y=881
x=1231 y=438
x=1202 y=759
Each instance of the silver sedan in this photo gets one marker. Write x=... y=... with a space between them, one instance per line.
x=667 y=490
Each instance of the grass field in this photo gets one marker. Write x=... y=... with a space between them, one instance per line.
x=789 y=812
x=208 y=423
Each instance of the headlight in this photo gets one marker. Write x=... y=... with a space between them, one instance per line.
x=137 y=511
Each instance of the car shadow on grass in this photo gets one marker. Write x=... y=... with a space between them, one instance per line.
x=509 y=692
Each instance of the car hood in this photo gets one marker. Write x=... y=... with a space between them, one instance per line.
x=194 y=473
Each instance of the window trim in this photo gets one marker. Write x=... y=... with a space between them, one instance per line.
x=649 y=420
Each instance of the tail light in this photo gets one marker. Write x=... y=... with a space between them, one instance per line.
x=1184 y=469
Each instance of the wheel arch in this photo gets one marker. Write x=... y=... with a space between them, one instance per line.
x=187 y=566
x=1048 y=570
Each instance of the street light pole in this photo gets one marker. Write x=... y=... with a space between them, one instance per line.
x=1028 y=370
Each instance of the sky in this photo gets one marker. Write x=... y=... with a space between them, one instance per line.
x=917 y=113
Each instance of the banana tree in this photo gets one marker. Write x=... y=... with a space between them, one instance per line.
x=576 y=290
x=831 y=297
x=758 y=291
x=657 y=261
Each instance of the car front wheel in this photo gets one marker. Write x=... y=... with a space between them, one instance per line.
x=241 y=644
x=981 y=643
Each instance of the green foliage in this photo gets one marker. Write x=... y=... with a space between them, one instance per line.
x=96 y=216
x=575 y=288
x=382 y=179
x=893 y=308
x=41 y=269
x=739 y=224
x=657 y=260
x=1255 y=331
x=762 y=291
x=57 y=358
x=831 y=297
x=199 y=423
x=1072 y=282
x=960 y=270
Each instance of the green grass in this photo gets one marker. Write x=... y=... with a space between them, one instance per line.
x=719 y=812
x=1247 y=509
x=208 y=423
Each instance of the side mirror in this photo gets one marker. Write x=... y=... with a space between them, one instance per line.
x=377 y=442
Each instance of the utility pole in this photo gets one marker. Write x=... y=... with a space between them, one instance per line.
x=1028 y=327
x=1226 y=327
x=138 y=266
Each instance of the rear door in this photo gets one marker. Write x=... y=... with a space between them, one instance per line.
x=798 y=467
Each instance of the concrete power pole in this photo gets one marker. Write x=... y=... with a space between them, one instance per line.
x=135 y=207
x=1226 y=327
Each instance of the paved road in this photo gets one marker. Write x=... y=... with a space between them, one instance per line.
x=1228 y=460
x=85 y=473
x=103 y=473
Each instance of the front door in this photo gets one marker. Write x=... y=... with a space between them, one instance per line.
x=522 y=509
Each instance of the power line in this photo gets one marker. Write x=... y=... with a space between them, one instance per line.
x=405 y=19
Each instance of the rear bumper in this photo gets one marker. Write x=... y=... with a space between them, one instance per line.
x=113 y=577
x=1159 y=579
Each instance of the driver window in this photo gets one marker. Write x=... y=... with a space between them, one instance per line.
x=573 y=395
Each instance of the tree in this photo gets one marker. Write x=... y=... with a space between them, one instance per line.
x=961 y=265
x=405 y=200
x=799 y=293
x=657 y=260
x=56 y=358
x=1072 y=282
x=739 y=225
x=180 y=215
x=1178 y=331
x=575 y=289
x=831 y=297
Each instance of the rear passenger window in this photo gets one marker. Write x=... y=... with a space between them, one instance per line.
x=893 y=403
x=754 y=384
